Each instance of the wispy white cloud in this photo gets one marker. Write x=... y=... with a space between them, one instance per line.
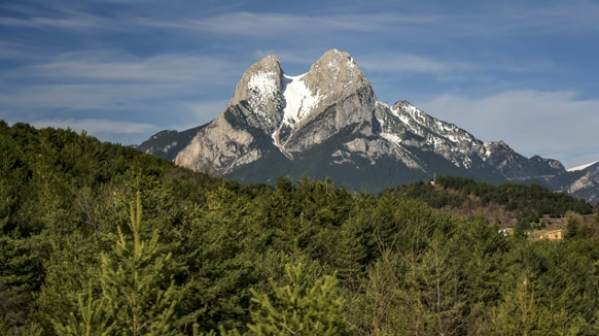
x=399 y=62
x=100 y=90
x=551 y=124
x=426 y=23
x=57 y=16
x=114 y=66
x=18 y=51
x=286 y=56
x=573 y=16
x=419 y=25
x=96 y=126
x=281 y=24
x=205 y=110
x=116 y=81
x=74 y=97
x=402 y=62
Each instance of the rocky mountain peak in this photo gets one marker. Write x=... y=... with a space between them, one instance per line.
x=335 y=75
x=261 y=88
x=331 y=96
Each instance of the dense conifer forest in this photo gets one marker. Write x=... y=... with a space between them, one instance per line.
x=100 y=239
x=529 y=203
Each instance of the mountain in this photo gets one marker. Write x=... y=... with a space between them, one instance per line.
x=329 y=122
x=167 y=144
x=583 y=182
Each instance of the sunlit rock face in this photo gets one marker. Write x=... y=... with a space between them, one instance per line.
x=329 y=121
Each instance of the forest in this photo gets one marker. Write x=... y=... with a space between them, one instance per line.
x=529 y=203
x=100 y=239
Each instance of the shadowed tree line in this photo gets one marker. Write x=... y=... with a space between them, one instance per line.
x=99 y=239
x=529 y=203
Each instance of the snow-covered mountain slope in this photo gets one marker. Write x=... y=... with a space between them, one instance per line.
x=583 y=167
x=329 y=121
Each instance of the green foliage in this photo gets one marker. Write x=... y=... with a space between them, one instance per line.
x=91 y=320
x=424 y=191
x=529 y=202
x=135 y=298
x=4 y=328
x=521 y=314
x=21 y=275
x=572 y=229
x=139 y=298
x=300 y=310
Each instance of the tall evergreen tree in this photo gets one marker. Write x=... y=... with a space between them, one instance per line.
x=352 y=251
x=140 y=300
x=91 y=318
x=136 y=299
x=299 y=310
x=572 y=229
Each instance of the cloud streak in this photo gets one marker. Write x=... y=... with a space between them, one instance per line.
x=121 y=87
x=280 y=24
x=96 y=126
x=490 y=20
x=402 y=62
x=56 y=16
x=107 y=66
x=115 y=81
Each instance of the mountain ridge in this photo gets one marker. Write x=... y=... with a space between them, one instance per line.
x=272 y=111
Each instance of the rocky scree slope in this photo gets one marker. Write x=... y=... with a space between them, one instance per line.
x=329 y=122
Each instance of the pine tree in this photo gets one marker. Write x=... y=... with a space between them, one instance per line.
x=521 y=314
x=442 y=289
x=133 y=301
x=91 y=319
x=21 y=274
x=572 y=230
x=133 y=281
x=298 y=310
x=351 y=251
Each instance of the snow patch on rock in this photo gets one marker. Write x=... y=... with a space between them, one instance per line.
x=298 y=101
x=264 y=88
x=393 y=138
x=488 y=152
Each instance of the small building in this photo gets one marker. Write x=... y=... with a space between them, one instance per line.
x=555 y=234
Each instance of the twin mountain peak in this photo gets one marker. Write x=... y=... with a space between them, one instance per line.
x=329 y=122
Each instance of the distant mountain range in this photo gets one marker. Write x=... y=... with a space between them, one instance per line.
x=329 y=122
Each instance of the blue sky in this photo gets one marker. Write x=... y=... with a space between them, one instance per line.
x=525 y=72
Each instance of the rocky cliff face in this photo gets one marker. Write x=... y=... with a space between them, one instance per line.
x=328 y=121
x=586 y=184
x=332 y=95
x=167 y=144
x=297 y=112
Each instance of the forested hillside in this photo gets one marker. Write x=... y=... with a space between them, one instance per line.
x=527 y=204
x=100 y=239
